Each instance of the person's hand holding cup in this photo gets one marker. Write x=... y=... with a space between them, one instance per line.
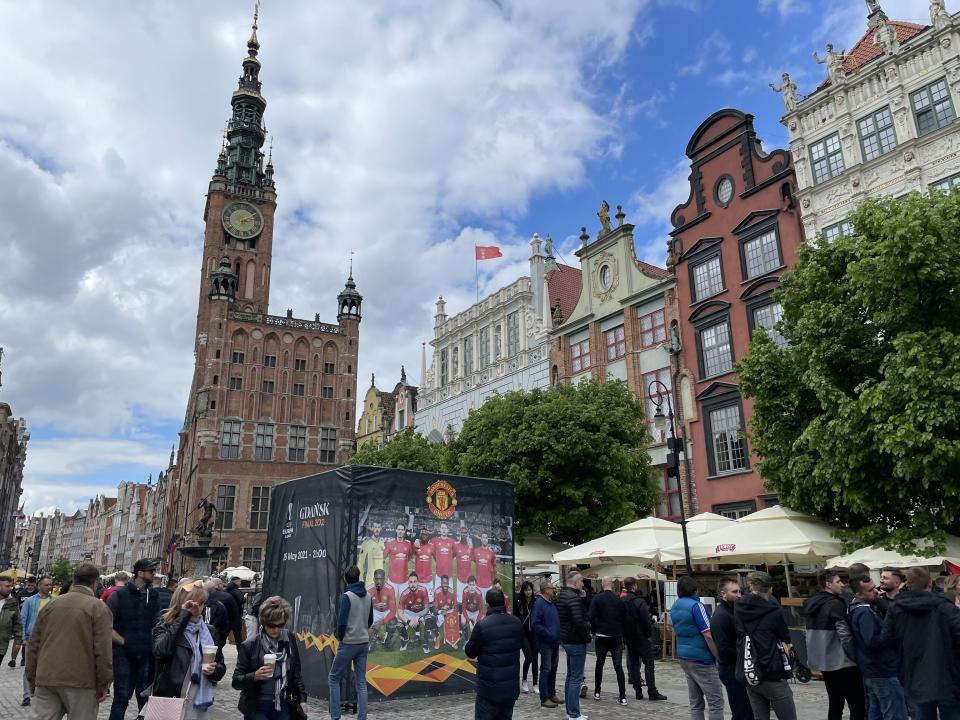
x=266 y=671
x=209 y=659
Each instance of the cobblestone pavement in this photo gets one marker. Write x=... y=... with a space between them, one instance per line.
x=811 y=700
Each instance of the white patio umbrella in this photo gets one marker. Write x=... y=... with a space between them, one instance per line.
x=874 y=557
x=640 y=541
x=242 y=572
x=536 y=549
x=620 y=571
x=706 y=522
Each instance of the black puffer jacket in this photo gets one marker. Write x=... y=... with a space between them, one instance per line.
x=174 y=656
x=606 y=614
x=495 y=643
x=250 y=659
x=574 y=627
x=925 y=629
x=135 y=612
x=724 y=634
x=638 y=624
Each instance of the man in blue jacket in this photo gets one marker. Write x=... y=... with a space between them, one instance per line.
x=696 y=651
x=31 y=606
x=495 y=643
x=877 y=660
x=546 y=626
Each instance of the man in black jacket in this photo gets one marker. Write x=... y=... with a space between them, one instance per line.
x=215 y=615
x=233 y=587
x=637 y=628
x=607 y=618
x=758 y=617
x=924 y=627
x=574 y=634
x=724 y=632
x=495 y=643
x=233 y=610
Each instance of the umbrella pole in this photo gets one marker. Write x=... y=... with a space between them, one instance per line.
x=786 y=571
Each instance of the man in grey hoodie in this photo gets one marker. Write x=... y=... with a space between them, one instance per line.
x=353 y=624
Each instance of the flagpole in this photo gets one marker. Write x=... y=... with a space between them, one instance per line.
x=476 y=270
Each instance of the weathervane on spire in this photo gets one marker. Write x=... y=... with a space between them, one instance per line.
x=351 y=262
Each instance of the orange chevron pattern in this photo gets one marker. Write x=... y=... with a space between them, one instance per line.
x=385 y=679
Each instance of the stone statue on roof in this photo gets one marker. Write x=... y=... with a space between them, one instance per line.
x=834 y=62
x=939 y=17
x=885 y=36
x=788 y=89
x=873 y=6
x=604 y=215
x=549 y=246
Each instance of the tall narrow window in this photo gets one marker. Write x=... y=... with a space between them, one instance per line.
x=230 y=439
x=263 y=447
x=616 y=344
x=225 y=502
x=513 y=334
x=653 y=329
x=498 y=342
x=456 y=363
x=715 y=352
x=580 y=355
x=328 y=445
x=444 y=367
x=484 y=347
x=259 y=507
x=468 y=355
x=761 y=254
x=707 y=279
x=297 y=443
x=729 y=447
x=766 y=317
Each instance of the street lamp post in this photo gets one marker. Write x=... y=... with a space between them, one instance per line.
x=658 y=392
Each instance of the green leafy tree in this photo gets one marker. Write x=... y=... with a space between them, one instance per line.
x=576 y=455
x=62 y=571
x=858 y=419
x=408 y=450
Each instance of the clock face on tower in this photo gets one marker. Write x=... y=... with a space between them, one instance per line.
x=242 y=220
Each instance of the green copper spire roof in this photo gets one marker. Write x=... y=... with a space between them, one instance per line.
x=245 y=129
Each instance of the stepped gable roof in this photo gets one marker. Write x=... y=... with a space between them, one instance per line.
x=864 y=50
x=564 y=284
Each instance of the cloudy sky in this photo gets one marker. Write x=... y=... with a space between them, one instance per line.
x=405 y=131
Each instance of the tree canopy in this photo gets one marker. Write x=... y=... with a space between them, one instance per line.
x=62 y=571
x=857 y=420
x=408 y=450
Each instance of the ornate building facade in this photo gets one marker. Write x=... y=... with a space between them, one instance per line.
x=376 y=418
x=731 y=240
x=14 y=437
x=272 y=397
x=619 y=330
x=883 y=122
x=498 y=345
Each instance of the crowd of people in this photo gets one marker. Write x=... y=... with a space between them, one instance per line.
x=884 y=653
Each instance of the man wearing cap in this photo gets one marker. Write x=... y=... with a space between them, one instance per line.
x=135 y=609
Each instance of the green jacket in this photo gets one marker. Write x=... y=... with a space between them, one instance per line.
x=11 y=628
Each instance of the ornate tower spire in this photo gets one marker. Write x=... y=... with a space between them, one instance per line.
x=349 y=300
x=246 y=132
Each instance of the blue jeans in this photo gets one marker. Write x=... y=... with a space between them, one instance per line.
x=576 y=657
x=885 y=699
x=928 y=711
x=549 y=661
x=266 y=711
x=129 y=674
x=356 y=654
x=483 y=709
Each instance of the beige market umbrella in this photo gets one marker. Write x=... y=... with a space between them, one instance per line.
x=706 y=522
x=640 y=541
x=536 y=549
x=620 y=571
x=875 y=558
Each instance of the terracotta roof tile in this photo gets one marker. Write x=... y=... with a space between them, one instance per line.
x=864 y=50
x=564 y=284
x=654 y=271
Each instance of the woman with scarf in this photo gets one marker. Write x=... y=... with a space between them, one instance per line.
x=523 y=609
x=270 y=691
x=178 y=642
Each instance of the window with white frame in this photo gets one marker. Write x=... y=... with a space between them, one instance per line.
x=832 y=232
x=877 y=136
x=766 y=317
x=580 y=355
x=726 y=438
x=263 y=446
x=253 y=558
x=615 y=342
x=736 y=510
x=716 y=356
x=653 y=328
x=826 y=158
x=932 y=107
x=761 y=254
x=707 y=279
x=230 y=439
x=297 y=442
x=328 y=445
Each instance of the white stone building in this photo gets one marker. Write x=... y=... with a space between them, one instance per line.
x=498 y=345
x=884 y=122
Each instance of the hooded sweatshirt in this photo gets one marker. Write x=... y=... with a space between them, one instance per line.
x=760 y=618
x=875 y=658
x=924 y=627
x=827 y=632
x=355 y=616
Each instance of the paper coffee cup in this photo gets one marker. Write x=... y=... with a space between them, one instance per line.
x=209 y=654
x=270 y=659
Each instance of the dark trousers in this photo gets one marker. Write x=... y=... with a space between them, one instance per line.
x=486 y=710
x=740 y=708
x=845 y=686
x=130 y=672
x=530 y=655
x=266 y=711
x=549 y=662
x=613 y=646
x=637 y=652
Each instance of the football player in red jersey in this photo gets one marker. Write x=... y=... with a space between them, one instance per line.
x=423 y=561
x=464 y=554
x=444 y=603
x=384 y=610
x=398 y=552
x=444 y=549
x=486 y=560
x=414 y=606
x=472 y=611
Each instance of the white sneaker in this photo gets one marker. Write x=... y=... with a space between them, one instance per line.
x=525 y=686
x=579 y=717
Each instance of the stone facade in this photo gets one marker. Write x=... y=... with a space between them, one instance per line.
x=14 y=437
x=731 y=240
x=619 y=330
x=493 y=347
x=272 y=397
x=882 y=123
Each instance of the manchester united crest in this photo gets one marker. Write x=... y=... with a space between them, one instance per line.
x=442 y=499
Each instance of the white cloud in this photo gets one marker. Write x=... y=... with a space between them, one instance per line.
x=407 y=132
x=785 y=8
x=651 y=208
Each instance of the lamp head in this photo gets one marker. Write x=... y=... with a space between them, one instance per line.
x=659 y=419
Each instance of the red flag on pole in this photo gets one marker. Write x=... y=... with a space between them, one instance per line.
x=487 y=252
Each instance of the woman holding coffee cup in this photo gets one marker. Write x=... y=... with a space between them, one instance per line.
x=268 y=672
x=189 y=663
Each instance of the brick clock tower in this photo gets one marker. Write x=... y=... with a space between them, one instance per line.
x=272 y=397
